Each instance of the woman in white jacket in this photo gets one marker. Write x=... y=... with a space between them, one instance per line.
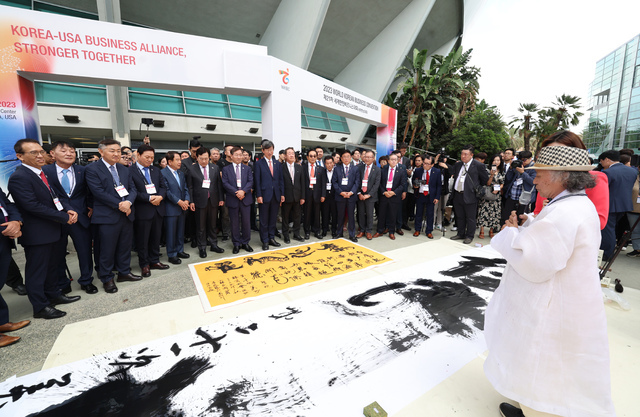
x=545 y=325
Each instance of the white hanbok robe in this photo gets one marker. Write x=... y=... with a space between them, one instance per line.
x=545 y=325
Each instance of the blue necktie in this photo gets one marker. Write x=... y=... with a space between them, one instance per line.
x=177 y=177
x=66 y=185
x=146 y=175
x=114 y=174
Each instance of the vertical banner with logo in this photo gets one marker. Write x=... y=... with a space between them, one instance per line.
x=386 y=135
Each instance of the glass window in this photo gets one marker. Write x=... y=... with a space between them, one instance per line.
x=155 y=91
x=246 y=113
x=314 y=112
x=207 y=108
x=339 y=126
x=141 y=101
x=206 y=96
x=318 y=123
x=249 y=101
x=73 y=94
x=23 y=4
x=50 y=8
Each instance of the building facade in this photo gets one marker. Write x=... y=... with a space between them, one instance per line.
x=356 y=43
x=614 y=101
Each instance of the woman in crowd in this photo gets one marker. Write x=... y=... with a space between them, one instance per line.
x=489 y=213
x=411 y=199
x=162 y=163
x=545 y=325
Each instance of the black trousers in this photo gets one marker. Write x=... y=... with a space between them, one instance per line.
x=40 y=274
x=206 y=225
x=466 y=215
x=147 y=235
x=114 y=248
x=388 y=213
x=312 y=215
x=291 y=212
x=348 y=208
x=329 y=214
x=268 y=218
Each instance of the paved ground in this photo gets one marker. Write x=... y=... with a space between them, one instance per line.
x=37 y=339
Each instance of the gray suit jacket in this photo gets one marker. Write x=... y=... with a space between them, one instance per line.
x=373 y=181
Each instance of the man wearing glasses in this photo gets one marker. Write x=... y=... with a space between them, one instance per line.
x=315 y=191
x=43 y=213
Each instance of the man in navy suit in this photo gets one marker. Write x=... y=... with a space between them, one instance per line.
x=368 y=193
x=269 y=186
x=315 y=192
x=429 y=184
x=237 y=180
x=207 y=197
x=68 y=181
x=293 y=195
x=621 y=179
x=114 y=194
x=43 y=213
x=329 y=209
x=392 y=181
x=346 y=183
x=176 y=206
x=151 y=190
x=9 y=230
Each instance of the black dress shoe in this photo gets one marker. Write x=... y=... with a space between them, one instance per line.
x=247 y=247
x=63 y=299
x=286 y=239
x=216 y=249
x=278 y=235
x=334 y=236
x=298 y=238
x=353 y=239
x=187 y=239
x=236 y=249
x=318 y=236
x=183 y=255
x=89 y=288
x=406 y=227
x=128 y=277
x=307 y=236
x=49 y=313
x=225 y=238
x=20 y=289
x=203 y=253
x=272 y=242
x=175 y=260
x=194 y=244
x=159 y=265
x=265 y=246
x=110 y=286
x=66 y=290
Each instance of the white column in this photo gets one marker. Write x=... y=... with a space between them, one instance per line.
x=293 y=31
x=109 y=11
x=373 y=70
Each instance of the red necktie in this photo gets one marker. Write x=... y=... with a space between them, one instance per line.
x=270 y=167
x=366 y=178
x=390 y=178
x=313 y=173
x=427 y=184
x=44 y=179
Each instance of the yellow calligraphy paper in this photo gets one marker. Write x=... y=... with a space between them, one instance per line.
x=237 y=279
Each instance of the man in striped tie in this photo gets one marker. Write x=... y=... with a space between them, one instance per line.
x=269 y=190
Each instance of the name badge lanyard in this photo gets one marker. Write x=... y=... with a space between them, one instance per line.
x=54 y=196
x=122 y=192
x=149 y=186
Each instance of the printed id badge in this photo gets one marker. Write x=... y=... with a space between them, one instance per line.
x=206 y=183
x=328 y=186
x=345 y=181
x=365 y=183
x=151 y=188
x=239 y=183
x=57 y=203
x=122 y=192
x=389 y=184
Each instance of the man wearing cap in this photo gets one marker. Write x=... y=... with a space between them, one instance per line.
x=545 y=325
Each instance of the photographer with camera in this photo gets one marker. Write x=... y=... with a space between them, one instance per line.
x=517 y=181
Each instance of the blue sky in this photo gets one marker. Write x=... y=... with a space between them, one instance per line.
x=532 y=51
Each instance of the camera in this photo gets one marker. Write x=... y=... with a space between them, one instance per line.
x=516 y=164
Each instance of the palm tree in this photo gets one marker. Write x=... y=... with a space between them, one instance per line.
x=562 y=115
x=524 y=125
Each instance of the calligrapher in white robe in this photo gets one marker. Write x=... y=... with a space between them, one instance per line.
x=545 y=326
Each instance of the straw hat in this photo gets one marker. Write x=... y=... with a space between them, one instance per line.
x=563 y=158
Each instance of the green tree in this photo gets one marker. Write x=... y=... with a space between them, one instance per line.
x=483 y=128
x=525 y=124
x=561 y=115
x=433 y=100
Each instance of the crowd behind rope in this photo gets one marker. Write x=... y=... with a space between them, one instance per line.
x=212 y=199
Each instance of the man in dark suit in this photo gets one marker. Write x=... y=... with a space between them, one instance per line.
x=294 y=194
x=149 y=204
x=237 y=180
x=429 y=183
x=621 y=179
x=402 y=218
x=329 y=208
x=269 y=188
x=368 y=193
x=9 y=230
x=42 y=213
x=320 y=156
x=468 y=174
x=176 y=206
x=392 y=179
x=68 y=181
x=114 y=194
x=346 y=183
x=190 y=220
x=205 y=190
x=315 y=192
